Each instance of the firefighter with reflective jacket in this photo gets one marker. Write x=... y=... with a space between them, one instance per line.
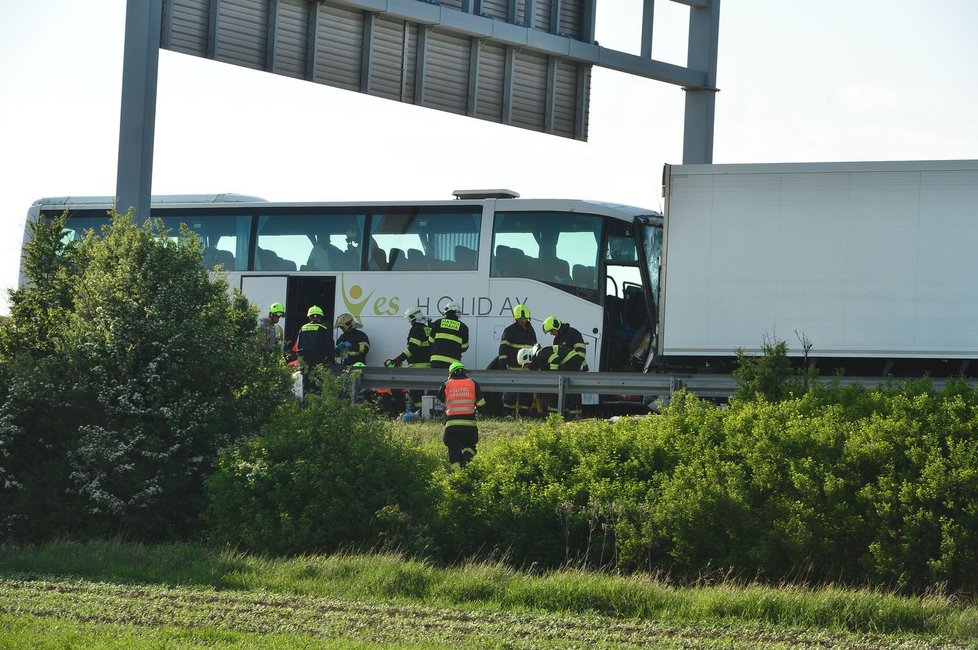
x=314 y=345
x=519 y=335
x=449 y=337
x=556 y=358
x=461 y=396
x=564 y=334
x=417 y=353
x=353 y=343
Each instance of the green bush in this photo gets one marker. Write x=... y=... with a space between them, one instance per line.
x=563 y=493
x=322 y=475
x=839 y=484
x=126 y=368
x=770 y=375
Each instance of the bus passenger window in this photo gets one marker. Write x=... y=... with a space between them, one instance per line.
x=424 y=240
x=218 y=235
x=465 y=259
x=378 y=258
x=585 y=277
x=269 y=260
x=212 y=257
x=548 y=246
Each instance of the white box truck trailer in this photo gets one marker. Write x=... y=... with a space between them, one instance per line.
x=867 y=260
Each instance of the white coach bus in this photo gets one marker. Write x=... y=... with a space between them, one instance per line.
x=593 y=265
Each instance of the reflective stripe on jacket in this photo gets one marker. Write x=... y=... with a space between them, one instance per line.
x=449 y=338
x=514 y=339
x=418 y=350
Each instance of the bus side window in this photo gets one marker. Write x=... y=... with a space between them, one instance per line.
x=416 y=260
x=559 y=270
x=268 y=260
x=504 y=261
x=396 y=260
x=585 y=277
x=465 y=258
x=320 y=257
x=378 y=258
x=211 y=257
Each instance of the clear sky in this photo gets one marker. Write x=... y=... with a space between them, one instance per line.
x=799 y=80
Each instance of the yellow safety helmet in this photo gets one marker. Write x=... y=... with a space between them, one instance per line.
x=551 y=323
x=314 y=311
x=276 y=308
x=521 y=311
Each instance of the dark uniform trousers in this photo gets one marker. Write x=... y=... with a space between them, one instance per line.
x=514 y=339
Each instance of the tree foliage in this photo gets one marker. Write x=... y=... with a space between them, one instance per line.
x=837 y=484
x=770 y=375
x=126 y=368
x=323 y=475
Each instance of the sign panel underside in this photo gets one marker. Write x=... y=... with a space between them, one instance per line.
x=384 y=56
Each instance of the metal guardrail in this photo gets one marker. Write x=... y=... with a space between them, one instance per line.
x=651 y=386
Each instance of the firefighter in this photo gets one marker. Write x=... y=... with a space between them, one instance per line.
x=352 y=344
x=274 y=337
x=555 y=358
x=564 y=334
x=517 y=336
x=417 y=353
x=314 y=345
x=461 y=396
x=449 y=337
x=382 y=399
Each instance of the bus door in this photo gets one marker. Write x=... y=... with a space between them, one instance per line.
x=263 y=290
x=627 y=322
x=302 y=293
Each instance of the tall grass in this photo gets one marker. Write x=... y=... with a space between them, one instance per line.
x=496 y=587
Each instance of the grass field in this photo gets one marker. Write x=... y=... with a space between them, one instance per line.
x=120 y=595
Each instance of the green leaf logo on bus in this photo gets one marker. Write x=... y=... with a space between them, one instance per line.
x=355 y=301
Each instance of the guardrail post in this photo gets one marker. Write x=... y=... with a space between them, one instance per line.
x=354 y=388
x=561 y=392
x=674 y=385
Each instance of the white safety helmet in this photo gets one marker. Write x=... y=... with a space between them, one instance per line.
x=414 y=314
x=346 y=322
x=452 y=306
x=525 y=355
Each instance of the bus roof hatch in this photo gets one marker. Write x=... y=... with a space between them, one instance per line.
x=485 y=194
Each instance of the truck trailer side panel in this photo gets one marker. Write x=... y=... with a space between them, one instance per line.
x=871 y=260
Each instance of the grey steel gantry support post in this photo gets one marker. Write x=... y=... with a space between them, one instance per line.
x=137 y=120
x=704 y=29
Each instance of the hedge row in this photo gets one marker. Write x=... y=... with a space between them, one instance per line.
x=839 y=484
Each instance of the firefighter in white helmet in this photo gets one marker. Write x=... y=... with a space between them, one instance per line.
x=353 y=343
x=449 y=337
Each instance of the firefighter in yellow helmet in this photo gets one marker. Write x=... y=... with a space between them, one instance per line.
x=272 y=331
x=462 y=397
x=314 y=345
x=564 y=334
x=517 y=336
x=558 y=358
